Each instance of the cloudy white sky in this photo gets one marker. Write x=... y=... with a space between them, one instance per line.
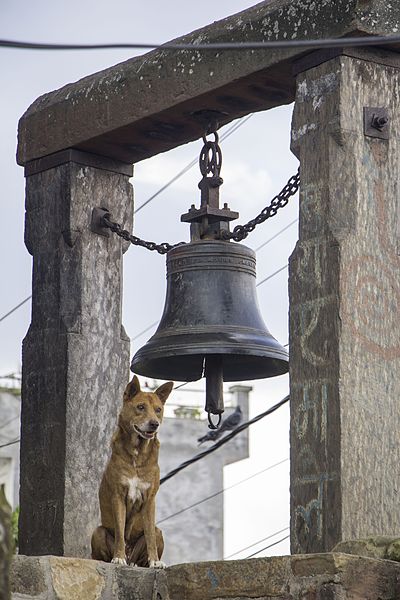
x=257 y=162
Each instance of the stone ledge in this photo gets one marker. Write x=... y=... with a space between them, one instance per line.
x=330 y=576
x=387 y=547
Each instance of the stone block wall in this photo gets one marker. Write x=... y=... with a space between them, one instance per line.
x=301 y=577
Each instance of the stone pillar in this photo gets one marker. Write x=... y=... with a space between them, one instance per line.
x=76 y=352
x=344 y=305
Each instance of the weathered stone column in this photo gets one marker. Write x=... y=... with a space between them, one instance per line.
x=76 y=353
x=344 y=304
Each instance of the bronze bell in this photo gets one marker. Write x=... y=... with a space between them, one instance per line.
x=211 y=324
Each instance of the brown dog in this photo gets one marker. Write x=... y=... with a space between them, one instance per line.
x=130 y=482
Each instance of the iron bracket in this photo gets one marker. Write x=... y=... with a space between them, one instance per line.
x=376 y=122
x=96 y=223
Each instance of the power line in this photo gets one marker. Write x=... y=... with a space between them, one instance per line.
x=11 y=376
x=272 y=275
x=9 y=421
x=224 y=440
x=269 y=546
x=255 y=543
x=276 y=235
x=15 y=308
x=192 y=163
x=144 y=331
x=182 y=510
x=299 y=43
x=10 y=443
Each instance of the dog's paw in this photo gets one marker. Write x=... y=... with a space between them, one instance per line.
x=157 y=564
x=118 y=561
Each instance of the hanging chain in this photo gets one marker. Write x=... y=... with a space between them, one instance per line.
x=124 y=234
x=279 y=201
x=212 y=163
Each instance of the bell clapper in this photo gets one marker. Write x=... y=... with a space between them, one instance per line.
x=214 y=388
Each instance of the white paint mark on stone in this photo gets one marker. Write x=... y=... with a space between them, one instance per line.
x=296 y=135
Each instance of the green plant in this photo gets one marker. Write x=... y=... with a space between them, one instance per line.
x=14 y=526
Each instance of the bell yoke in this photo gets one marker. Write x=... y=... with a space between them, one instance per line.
x=211 y=324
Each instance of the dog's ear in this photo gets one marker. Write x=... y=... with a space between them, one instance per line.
x=132 y=389
x=164 y=391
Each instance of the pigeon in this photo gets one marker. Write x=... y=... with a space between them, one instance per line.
x=232 y=421
x=210 y=436
x=229 y=423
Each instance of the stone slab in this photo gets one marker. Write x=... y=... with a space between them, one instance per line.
x=145 y=105
x=303 y=577
x=387 y=547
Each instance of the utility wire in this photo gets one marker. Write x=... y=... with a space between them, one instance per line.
x=9 y=421
x=15 y=308
x=217 y=445
x=10 y=443
x=272 y=275
x=182 y=510
x=269 y=546
x=144 y=331
x=224 y=440
x=255 y=543
x=192 y=163
x=276 y=235
x=299 y=43
x=11 y=376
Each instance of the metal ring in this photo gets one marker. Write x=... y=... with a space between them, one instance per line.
x=210 y=160
x=211 y=424
x=216 y=137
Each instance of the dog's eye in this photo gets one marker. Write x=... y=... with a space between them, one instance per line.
x=140 y=407
x=158 y=409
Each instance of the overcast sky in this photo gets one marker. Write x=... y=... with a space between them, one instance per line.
x=256 y=164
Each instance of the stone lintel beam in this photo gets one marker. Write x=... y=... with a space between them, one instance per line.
x=145 y=105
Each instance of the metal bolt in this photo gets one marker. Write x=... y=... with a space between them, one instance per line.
x=378 y=122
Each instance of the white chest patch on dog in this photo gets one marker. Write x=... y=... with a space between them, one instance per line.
x=136 y=487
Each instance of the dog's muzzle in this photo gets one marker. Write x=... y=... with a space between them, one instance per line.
x=150 y=430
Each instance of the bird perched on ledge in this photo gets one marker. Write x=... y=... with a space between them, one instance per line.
x=227 y=424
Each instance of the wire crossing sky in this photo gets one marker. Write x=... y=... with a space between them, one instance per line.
x=300 y=43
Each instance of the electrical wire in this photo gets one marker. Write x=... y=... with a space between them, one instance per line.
x=15 y=308
x=10 y=443
x=192 y=163
x=144 y=331
x=217 y=445
x=276 y=235
x=182 y=510
x=11 y=376
x=272 y=275
x=9 y=421
x=224 y=440
x=263 y=45
x=269 y=546
x=255 y=543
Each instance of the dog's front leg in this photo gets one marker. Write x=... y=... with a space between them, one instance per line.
x=119 y=514
x=149 y=529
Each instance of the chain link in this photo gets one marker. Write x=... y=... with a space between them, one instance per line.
x=239 y=233
x=124 y=234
